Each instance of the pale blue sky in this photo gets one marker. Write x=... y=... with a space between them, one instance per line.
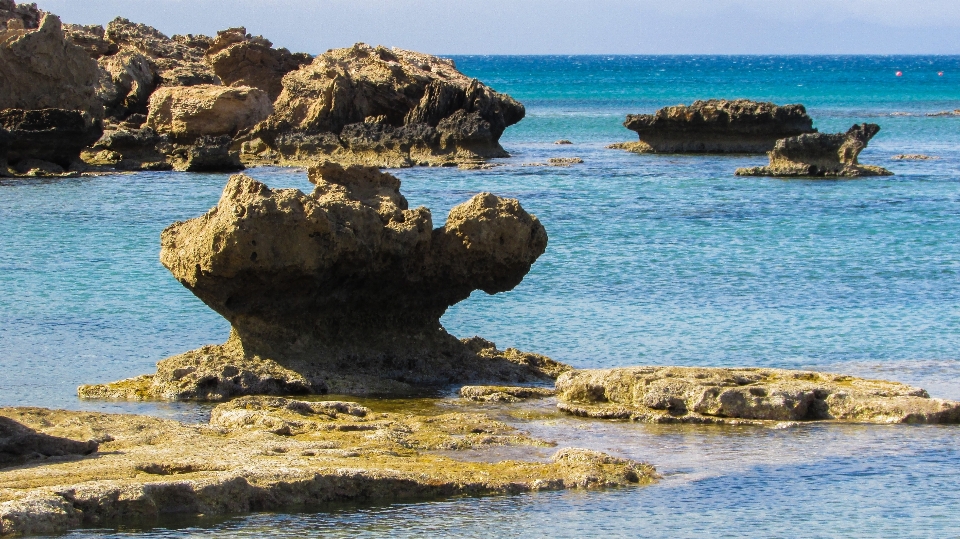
x=559 y=26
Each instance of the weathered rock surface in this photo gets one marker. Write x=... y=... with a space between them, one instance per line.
x=821 y=155
x=383 y=107
x=505 y=393
x=240 y=59
x=52 y=135
x=19 y=444
x=19 y=17
x=913 y=157
x=40 y=69
x=91 y=38
x=267 y=454
x=341 y=290
x=187 y=113
x=729 y=395
x=179 y=60
x=716 y=126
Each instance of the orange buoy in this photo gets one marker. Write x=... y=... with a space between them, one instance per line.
x=899 y=73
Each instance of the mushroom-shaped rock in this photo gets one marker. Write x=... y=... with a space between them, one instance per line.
x=716 y=126
x=384 y=107
x=342 y=290
x=821 y=155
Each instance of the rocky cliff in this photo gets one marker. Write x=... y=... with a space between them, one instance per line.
x=342 y=290
x=716 y=126
x=821 y=155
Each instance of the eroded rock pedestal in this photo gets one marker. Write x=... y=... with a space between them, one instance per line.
x=716 y=126
x=744 y=395
x=821 y=155
x=341 y=290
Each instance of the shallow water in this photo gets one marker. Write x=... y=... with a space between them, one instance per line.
x=652 y=260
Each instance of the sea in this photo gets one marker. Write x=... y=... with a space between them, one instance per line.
x=652 y=260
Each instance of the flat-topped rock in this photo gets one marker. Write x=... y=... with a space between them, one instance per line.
x=505 y=393
x=270 y=454
x=19 y=444
x=716 y=126
x=744 y=395
x=342 y=290
x=383 y=107
x=821 y=155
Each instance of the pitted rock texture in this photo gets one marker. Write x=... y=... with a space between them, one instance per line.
x=19 y=17
x=270 y=454
x=240 y=59
x=383 y=107
x=342 y=290
x=505 y=393
x=745 y=395
x=55 y=136
x=179 y=60
x=187 y=113
x=716 y=126
x=19 y=444
x=40 y=69
x=821 y=155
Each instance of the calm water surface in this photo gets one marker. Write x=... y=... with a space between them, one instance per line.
x=652 y=260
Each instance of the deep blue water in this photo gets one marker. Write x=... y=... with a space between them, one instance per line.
x=652 y=260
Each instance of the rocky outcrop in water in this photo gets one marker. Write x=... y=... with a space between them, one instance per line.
x=716 y=126
x=271 y=454
x=738 y=396
x=821 y=155
x=341 y=290
x=240 y=59
x=46 y=140
x=383 y=107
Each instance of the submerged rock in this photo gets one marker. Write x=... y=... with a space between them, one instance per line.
x=913 y=157
x=270 y=454
x=505 y=393
x=716 y=126
x=730 y=395
x=821 y=155
x=341 y=290
x=383 y=107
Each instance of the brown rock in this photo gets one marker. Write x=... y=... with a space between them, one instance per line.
x=716 y=126
x=19 y=17
x=19 y=444
x=39 y=69
x=91 y=38
x=386 y=107
x=55 y=136
x=186 y=113
x=728 y=395
x=505 y=393
x=270 y=454
x=240 y=59
x=342 y=290
x=179 y=60
x=821 y=155
x=132 y=78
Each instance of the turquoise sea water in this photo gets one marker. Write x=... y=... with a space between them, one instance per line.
x=652 y=260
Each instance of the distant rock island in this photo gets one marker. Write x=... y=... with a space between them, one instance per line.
x=821 y=155
x=130 y=98
x=716 y=126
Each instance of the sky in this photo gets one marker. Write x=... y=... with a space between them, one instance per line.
x=453 y=27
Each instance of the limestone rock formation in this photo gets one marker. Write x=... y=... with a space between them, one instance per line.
x=91 y=38
x=271 y=454
x=19 y=17
x=341 y=290
x=728 y=395
x=187 y=113
x=383 y=107
x=240 y=59
x=505 y=393
x=179 y=60
x=821 y=155
x=19 y=444
x=54 y=136
x=716 y=126
x=39 y=69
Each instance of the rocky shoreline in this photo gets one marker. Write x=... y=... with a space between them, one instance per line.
x=199 y=103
